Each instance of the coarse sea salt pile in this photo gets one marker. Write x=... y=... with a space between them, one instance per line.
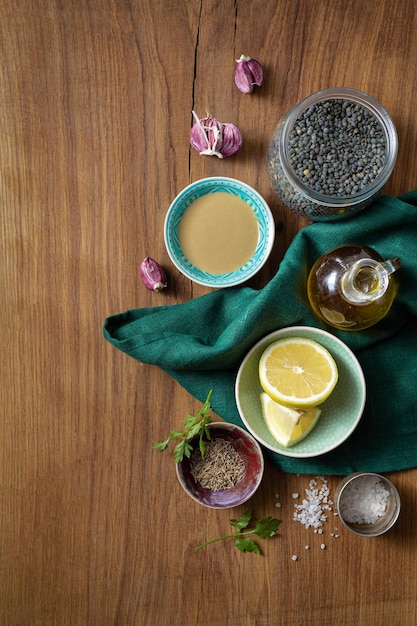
x=364 y=500
x=312 y=511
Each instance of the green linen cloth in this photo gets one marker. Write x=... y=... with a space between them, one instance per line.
x=201 y=343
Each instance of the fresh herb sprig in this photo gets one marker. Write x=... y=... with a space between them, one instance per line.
x=265 y=528
x=194 y=425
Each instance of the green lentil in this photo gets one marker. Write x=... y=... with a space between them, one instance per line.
x=337 y=148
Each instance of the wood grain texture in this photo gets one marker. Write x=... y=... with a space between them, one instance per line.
x=95 y=111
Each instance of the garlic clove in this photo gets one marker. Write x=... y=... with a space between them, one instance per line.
x=198 y=137
x=152 y=274
x=232 y=140
x=198 y=134
x=214 y=138
x=257 y=72
x=206 y=135
x=248 y=73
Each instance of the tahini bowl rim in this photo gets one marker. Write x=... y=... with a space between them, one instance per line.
x=259 y=206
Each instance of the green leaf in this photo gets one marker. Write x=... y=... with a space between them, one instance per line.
x=176 y=433
x=194 y=431
x=266 y=527
x=194 y=426
x=179 y=452
x=243 y=521
x=202 y=446
x=189 y=421
x=162 y=445
x=245 y=544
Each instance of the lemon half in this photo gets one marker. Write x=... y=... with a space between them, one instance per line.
x=288 y=426
x=297 y=372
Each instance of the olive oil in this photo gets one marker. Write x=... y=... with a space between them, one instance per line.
x=351 y=287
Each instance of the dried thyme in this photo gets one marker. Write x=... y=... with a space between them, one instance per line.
x=220 y=468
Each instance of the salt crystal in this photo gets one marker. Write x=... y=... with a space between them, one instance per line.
x=294 y=557
x=323 y=546
x=295 y=495
x=278 y=505
x=311 y=512
x=364 y=500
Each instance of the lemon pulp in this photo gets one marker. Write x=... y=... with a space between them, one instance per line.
x=288 y=426
x=297 y=372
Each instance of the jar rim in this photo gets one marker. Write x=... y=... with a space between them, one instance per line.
x=371 y=105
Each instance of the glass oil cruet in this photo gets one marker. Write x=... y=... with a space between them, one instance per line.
x=351 y=286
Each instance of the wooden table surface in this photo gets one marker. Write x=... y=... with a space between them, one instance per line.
x=95 y=112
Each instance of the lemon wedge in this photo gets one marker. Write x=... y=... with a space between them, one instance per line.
x=288 y=426
x=297 y=372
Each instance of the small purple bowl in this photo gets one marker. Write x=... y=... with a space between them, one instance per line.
x=251 y=453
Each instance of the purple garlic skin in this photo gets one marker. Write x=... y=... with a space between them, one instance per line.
x=152 y=275
x=248 y=73
x=206 y=135
x=211 y=137
x=232 y=140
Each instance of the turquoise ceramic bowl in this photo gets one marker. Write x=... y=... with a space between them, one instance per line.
x=200 y=188
x=341 y=412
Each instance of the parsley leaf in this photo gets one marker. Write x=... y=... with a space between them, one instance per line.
x=245 y=544
x=243 y=522
x=265 y=528
x=193 y=426
x=162 y=445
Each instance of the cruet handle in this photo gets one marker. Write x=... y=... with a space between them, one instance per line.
x=392 y=265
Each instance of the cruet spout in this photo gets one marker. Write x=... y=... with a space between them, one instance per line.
x=367 y=279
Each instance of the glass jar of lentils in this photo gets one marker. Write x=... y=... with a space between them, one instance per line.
x=330 y=156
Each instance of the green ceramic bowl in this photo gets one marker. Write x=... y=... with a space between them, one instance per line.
x=341 y=412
